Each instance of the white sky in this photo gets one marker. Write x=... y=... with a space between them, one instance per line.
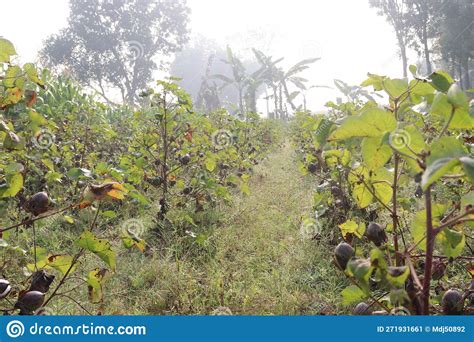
x=347 y=34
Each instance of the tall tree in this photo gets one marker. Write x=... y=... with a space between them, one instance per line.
x=395 y=11
x=270 y=75
x=278 y=80
x=197 y=64
x=116 y=43
x=423 y=19
x=292 y=76
x=245 y=81
x=208 y=96
x=456 y=42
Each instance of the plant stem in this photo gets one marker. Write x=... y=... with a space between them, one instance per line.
x=398 y=260
x=430 y=236
x=455 y=220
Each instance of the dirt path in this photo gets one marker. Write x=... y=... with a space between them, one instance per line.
x=263 y=264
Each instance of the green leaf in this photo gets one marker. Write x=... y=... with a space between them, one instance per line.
x=76 y=172
x=457 y=98
x=418 y=228
x=36 y=120
x=361 y=269
x=6 y=50
x=139 y=197
x=419 y=91
x=467 y=199
x=381 y=182
x=445 y=155
x=441 y=80
x=461 y=119
x=373 y=122
x=374 y=153
x=14 y=168
x=395 y=87
x=421 y=88
x=362 y=196
x=397 y=276
x=14 y=185
x=322 y=132
x=130 y=241
x=48 y=163
x=13 y=141
x=446 y=147
x=468 y=165
x=210 y=164
x=30 y=70
x=437 y=170
x=398 y=297
x=377 y=259
x=100 y=247
x=109 y=214
x=59 y=262
x=407 y=140
x=452 y=242
x=360 y=193
x=374 y=80
x=13 y=77
x=351 y=295
x=245 y=189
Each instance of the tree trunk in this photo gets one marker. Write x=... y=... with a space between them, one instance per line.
x=453 y=65
x=461 y=81
x=288 y=99
x=275 y=99
x=403 y=54
x=280 y=102
x=241 y=104
x=427 y=50
x=465 y=66
x=267 y=103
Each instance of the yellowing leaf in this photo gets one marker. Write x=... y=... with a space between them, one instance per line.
x=351 y=227
x=62 y=263
x=96 y=280
x=116 y=194
x=100 y=247
x=68 y=219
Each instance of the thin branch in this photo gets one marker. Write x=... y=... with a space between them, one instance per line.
x=446 y=125
x=29 y=221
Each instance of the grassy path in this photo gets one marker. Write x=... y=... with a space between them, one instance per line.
x=264 y=264
x=260 y=265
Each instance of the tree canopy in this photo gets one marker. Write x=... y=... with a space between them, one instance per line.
x=116 y=43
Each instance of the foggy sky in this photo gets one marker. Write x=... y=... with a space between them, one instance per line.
x=348 y=35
